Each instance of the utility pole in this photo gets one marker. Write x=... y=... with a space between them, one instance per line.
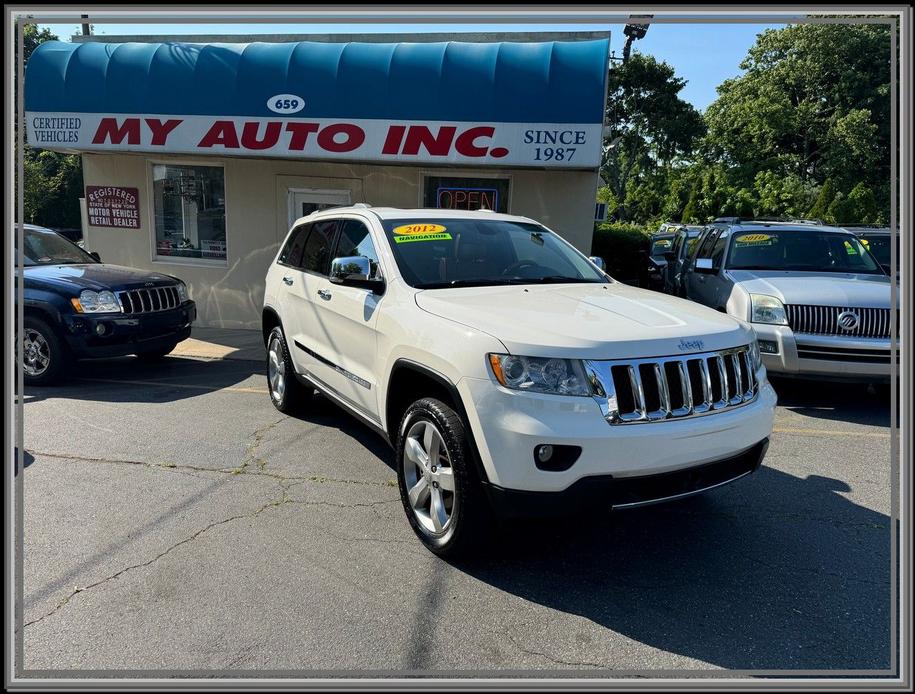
x=87 y=31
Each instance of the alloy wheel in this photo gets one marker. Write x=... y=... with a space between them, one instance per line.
x=429 y=478
x=36 y=352
x=276 y=369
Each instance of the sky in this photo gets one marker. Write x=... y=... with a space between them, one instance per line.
x=703 y=54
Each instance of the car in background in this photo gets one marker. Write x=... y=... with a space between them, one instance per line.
x=818 y=299
x=78 y=307
x=678 y=256
x=658 y=245
x=879 y=241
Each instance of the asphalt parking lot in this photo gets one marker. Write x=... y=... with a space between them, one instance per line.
x=173 y=519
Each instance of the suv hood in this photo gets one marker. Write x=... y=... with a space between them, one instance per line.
x=587 y=321
x=817 y=288
x=95 y=276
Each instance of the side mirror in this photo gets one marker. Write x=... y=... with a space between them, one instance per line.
x=95 y=255
x=599 y=262
x=704 y=265
x=356 y=271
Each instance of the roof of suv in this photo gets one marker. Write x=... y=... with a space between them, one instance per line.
x=783 y=226
x=418 y=214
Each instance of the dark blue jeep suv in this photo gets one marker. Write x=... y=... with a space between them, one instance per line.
x=77 y=307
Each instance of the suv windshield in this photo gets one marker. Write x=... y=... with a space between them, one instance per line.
x=435 y=253
x=800 y=250
x=49 y=248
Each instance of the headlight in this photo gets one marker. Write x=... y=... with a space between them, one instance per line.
x=182 y=291
x=540 y=375
x=767 y=309
x=96 y=302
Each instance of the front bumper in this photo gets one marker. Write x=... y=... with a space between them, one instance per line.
x=127 y=333
x=604 y=492
x=508 y=426
x=827 y=357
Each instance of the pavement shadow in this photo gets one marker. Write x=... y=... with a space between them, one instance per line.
x=855 y=403
x=128 y=379
x=324 y=412
x=773 y=572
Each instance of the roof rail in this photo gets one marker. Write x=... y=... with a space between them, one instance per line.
x=751 y=220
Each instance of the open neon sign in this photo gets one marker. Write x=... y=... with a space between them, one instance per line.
x=452 y=198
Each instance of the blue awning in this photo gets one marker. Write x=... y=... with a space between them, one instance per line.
x=548 y=82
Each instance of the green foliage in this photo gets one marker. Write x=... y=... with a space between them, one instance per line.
x=619 y=245
x=859 y=206
x=824 y=199
x=650 y=128
x=53 y=187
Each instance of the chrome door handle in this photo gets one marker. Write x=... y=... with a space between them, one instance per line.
x=324 y=294
x=288 y=280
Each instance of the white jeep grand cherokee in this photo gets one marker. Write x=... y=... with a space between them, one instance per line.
x=509 y=373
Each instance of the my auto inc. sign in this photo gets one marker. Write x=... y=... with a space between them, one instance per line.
x=502 y=144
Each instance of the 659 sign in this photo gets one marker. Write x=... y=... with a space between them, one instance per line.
x=285 y=103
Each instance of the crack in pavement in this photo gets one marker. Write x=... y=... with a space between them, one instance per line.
x=219 y=471
x=77 y=589
x=553 y=659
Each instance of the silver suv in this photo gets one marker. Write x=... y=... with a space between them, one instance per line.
x=818 y=299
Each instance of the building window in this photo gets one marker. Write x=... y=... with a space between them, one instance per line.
x=190 y=211
x=452 y=193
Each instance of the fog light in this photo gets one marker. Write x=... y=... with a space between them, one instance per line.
x=768 y=347
x=100 y=329
x=544 y=453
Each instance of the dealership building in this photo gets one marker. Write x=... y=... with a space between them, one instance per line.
x=198 y=156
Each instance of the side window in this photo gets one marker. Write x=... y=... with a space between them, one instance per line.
x=705 y=245
x=292 y=251
x=678 y=242
x=355 y=240
x=316 y=254
x=718 y=249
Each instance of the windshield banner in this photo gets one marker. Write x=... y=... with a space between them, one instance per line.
x=497 y=144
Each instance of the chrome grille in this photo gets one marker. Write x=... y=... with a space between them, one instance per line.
x=824 y=320
x=652 y=390
x=148 y=300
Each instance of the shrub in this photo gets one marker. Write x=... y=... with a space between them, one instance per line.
x=619 y=244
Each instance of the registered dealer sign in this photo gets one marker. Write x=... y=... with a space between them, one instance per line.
x=113 y=206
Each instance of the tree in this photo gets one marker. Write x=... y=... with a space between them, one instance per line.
x=650 y=126
x=812 y=104
x=824 y=199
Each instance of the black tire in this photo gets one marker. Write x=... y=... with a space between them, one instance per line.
x=57 y=352
x=294 y=396
x=463 y=534
x=156 y=354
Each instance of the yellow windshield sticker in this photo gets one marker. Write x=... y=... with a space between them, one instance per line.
x=418 y=229
x=851 y=250
x=865 y=242
x=755 y=240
